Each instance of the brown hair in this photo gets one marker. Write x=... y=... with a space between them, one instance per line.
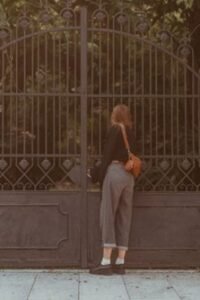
x=121 y=114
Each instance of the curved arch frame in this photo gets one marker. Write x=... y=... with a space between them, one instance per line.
x=106 y=30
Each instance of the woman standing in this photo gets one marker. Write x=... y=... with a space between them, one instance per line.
x=117 y=193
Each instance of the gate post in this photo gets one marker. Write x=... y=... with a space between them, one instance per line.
x=84 y=51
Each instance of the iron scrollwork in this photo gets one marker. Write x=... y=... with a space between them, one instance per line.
x=41 y=90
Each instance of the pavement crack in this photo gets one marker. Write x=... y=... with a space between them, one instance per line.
x=171 y=285
x=126 y=288
x=36 y=275
x=79 y=282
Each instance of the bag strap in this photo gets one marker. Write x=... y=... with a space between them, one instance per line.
x=125 y=138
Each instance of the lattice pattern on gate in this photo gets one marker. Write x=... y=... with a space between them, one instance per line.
x=40 y=98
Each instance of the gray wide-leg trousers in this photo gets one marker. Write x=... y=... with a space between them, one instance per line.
x=116 y=206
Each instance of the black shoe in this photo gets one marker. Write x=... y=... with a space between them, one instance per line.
x=101 y=270
x=119 y=269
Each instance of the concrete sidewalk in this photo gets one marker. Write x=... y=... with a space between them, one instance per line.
x=79 y=285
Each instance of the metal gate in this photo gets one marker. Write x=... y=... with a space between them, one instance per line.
x=60 y=77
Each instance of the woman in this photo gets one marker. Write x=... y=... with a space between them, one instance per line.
x=117 y=193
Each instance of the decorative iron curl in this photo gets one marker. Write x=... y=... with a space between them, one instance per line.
x=191 y=187
x=68 y=164
x=50 y=186
x=19 y=186
x=182 y=187
x=45 y=16
x=6 y=187
x=142 y=26
x=185 y=49
x=164 y=165
x=42 y=187
x=121 y=18
x=3 y=164
x=164 y=36
x=29 y=186
x=160 y=187
x=46 y=164
x=67 y=14
x=24 y=164
x=170 y=187
x=24 y=22
x=186 y=164
x=100 y=14
x=148 y=187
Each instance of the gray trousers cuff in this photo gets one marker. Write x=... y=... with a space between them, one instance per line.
x=122 y=248
x=109 y=245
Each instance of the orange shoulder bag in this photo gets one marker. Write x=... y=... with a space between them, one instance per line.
x=134 y=163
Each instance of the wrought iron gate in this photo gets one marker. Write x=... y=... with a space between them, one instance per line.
x=58 y=87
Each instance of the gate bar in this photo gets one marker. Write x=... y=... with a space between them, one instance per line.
x=83 y=197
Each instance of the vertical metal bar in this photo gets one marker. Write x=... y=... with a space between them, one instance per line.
x=59 y=98
x=113 y=63
x=193 y=102
x=32 y=121
x=177 y=110
x=100 y=86
x=156 y=103
x=3 y=103
x=54 y=98
x=16 y=98
x=46 y=98
x=92 y=87
x=129 y=65
x=68 y=88
x=38 y=99
x=185 y=111
x=172 y=99
x=107 y=74
x=193 y=135
x=121 y=64
x=164 y=104
x=108 y=60
x=100 y=60
x=24 y=98
x=177 y=118
x=84 y=136
x=75 y=89
x=143 y=98
x=150 y=102
x=198 y=107
x=11 y=98
x=135 y=86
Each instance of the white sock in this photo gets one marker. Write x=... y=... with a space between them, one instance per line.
x=119 y=261
x=105 y=261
